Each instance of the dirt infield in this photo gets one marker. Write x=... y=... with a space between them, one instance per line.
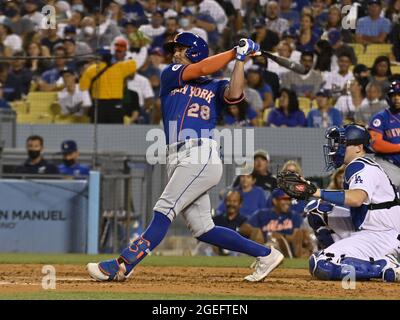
x=192 y=281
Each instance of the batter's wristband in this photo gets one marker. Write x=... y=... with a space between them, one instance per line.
x=336 y=197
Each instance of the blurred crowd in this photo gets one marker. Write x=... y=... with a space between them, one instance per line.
x=334 y=91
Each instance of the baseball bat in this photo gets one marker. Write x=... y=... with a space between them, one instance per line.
x=284 y=62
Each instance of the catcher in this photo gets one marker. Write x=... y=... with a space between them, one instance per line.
x=373 y=249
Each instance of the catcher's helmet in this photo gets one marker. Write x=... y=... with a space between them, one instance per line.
x=394 y=89
x=197 y=47
x=341 y=137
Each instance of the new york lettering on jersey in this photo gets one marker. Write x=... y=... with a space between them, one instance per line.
x=194 y=105
x=388 y=124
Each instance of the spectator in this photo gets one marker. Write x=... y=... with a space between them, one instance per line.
x=253 y=98
x=107 y=32
x=253 y=197
x=273 y=21
x=336 y=179
x=287 y=13
x=155 y=27
x=297 y=205
x=19 y=25
x=4 y=105
x=270 y=77
x=324 y=115
x=37 y=66
x=142 y=86
x=267 y=39
x=167 y=6
x=36 y=164
x=120 y=52
x=334 y=22
x=10 y=85
x=50 y=38
x=232 y=219
x=73 y=46
x=381 y=73
x=264 y=178
x=371 y=104
x=361 y=72
x=304 y=85
x=8 y=38
x=32 y=10
x=214 y=9
x=133 y=10
x=130 y=103
x=288 y=113
x=138 y=42
x=324 y=63
x=51 y=80
x=240 y=115
x=186 y=23
x=285 y=50
x=72 y=100
x=255 y=80
x=392 y=12
x=105 y=81
x=22 y=75
x=114 y=12
x=373 y=28
x=280 y=223
x=320 y=12
x=171 y=30
x=335 y=81
x=70 y=165
x=339 y=47
x=348 y=104
x=307 y=36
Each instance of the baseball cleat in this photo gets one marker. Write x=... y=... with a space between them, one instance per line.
x=392 y=272
x=264 y=265
x=109 y=270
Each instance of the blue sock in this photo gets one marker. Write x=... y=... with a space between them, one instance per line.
x=157 y=229
x=231 y=240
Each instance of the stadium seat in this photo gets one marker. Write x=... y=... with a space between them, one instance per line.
x=395 y=69
x=383 y=49
x=367 y=59
x=20 y=107
x=60 y=119
x=358 y=48
x=34 y=118
x=304 y=104
x=40 y=102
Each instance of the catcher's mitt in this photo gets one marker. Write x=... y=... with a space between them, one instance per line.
x=295 y=185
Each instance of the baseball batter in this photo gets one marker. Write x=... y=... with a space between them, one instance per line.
x=373 y=249
x=191 y=103
x=385 y=132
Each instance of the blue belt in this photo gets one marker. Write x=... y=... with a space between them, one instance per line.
x=191 y=143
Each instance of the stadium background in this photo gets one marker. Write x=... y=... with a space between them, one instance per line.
x=31 y=103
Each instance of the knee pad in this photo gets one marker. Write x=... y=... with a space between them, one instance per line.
x=322 y=268
x=317 y=217
x=366 y=269
x=133 y=254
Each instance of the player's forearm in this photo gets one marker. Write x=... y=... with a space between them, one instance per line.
x=381 y=145
x=208 y=66
x=351 y=198
x=236 y=84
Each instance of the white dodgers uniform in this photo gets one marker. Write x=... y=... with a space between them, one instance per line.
x=377 y=230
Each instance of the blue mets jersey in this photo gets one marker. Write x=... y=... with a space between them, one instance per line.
x=189 y=107
x=388 y=124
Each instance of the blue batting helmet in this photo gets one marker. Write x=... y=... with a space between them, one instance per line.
x=394 y=89
x=341 y=137
x=197 y=47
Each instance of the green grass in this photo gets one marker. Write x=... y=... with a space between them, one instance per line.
x=196 y=261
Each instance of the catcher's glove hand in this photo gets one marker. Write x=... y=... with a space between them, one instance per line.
x=295 y=186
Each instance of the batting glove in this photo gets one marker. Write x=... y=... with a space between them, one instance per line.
x=246 y=47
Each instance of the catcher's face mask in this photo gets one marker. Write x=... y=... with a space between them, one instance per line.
x=335 y=149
